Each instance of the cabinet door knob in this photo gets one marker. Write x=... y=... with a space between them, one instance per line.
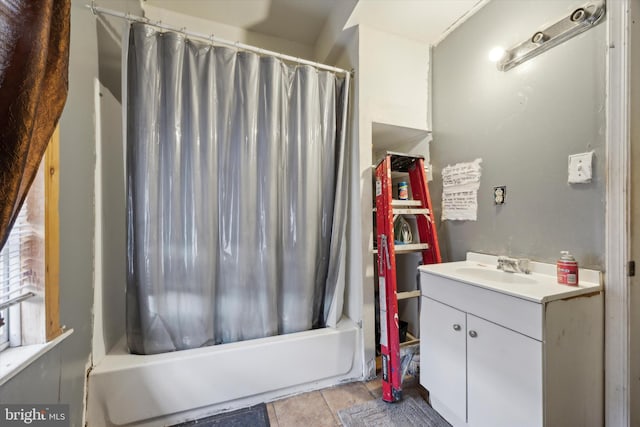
x=473 y=334
x=456 y=327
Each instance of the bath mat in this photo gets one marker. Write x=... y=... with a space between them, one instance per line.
x=255 y=416
x=409 y=412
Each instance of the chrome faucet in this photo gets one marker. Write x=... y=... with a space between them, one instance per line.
x=513 y=265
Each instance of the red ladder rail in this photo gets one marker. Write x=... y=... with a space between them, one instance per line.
x=387 y=282
x=426 y=225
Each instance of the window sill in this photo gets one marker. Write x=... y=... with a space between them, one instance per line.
x=15 y=359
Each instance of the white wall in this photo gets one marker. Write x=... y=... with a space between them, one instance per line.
x=110 y=235
x=394 y=79
x=228 y=32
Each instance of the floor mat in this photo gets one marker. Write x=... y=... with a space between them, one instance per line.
x=255 y=416
x=409 y=412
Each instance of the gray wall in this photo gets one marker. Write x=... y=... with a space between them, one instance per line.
x=523 y=123
x=59 y=376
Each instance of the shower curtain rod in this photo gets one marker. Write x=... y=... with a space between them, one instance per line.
x=212 y=39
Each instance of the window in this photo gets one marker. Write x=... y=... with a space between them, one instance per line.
x=28 y=263
x=21 y=265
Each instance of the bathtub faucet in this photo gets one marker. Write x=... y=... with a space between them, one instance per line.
x=513 y=265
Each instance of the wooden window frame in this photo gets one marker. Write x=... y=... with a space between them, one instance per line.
x=52 y=237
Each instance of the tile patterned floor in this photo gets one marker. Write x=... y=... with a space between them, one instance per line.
x=320 y=408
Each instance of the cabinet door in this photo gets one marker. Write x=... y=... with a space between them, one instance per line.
x=442 y=357
x=504 y=376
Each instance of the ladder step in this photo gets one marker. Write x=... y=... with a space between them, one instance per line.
x=410 y=211
x=408 y=248
x=407 y=295
x=407 y=211
x=398 y=202
x=411 y=247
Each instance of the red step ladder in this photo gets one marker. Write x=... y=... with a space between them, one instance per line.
x=387 y=210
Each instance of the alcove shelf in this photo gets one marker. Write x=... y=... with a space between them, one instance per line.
x=392 y=137
x=388 y=137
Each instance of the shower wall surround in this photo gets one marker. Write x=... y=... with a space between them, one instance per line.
x=523 y=123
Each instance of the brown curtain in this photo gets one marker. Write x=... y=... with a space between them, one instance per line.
x=34 y=62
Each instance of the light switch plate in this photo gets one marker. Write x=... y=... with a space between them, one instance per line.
x=580 y=169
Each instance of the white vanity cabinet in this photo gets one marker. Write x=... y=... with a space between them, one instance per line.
x=443 y=347
x=504 y=380
x=491 y=358
x=501 y=370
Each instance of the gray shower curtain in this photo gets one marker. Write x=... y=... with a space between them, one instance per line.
x=236 y=198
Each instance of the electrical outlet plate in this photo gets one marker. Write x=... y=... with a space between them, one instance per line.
x=580 y=169
x=499 y=195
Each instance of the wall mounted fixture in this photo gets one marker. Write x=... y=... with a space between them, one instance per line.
x=580 y=168
x=580 y=20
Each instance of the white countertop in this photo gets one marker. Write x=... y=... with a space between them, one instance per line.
x=539 y=286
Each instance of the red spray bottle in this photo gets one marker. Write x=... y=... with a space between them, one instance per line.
x=567 y=268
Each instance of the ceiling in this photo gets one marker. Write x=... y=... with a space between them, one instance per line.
x=296 y=20
x=421 y=20
x=303 y=20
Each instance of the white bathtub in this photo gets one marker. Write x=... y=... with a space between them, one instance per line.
x=164 y=389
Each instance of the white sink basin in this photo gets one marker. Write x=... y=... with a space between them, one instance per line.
x=495 y=275
x=540 y=286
